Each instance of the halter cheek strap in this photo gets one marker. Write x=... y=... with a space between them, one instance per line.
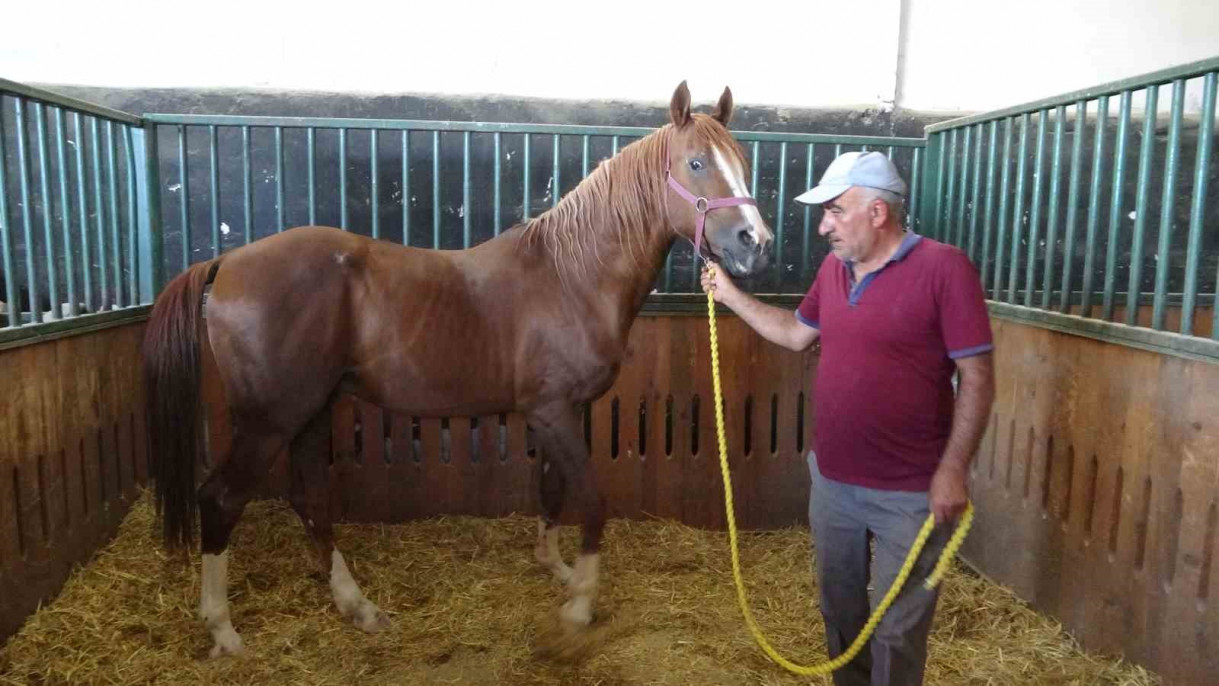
x=701 y=204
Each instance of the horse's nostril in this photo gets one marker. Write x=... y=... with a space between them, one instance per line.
x=745 y=238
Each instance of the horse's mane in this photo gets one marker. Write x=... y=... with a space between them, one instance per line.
x=624 y=197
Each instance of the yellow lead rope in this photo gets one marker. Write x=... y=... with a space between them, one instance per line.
x=958 y=537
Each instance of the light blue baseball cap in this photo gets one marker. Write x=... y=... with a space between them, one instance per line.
x=870 y=169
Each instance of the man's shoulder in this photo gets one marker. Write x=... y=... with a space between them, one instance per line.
x=942 y=256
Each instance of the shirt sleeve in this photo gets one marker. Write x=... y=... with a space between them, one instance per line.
x=809 y=311
x=964 y=320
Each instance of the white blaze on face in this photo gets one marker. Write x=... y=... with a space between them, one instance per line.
x=735 y=175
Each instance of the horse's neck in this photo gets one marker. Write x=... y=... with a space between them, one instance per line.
x=613 y=258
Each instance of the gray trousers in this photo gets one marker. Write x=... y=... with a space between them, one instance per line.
x=843 y=518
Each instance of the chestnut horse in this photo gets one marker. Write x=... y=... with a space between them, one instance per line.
x=534 y=321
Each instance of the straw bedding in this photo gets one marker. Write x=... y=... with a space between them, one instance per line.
x=471 y=606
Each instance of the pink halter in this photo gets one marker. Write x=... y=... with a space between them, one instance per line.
x=701 y=205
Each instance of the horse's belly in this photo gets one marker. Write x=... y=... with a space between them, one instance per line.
x=435 y=380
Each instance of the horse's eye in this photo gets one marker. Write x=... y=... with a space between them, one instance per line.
x=696 y=165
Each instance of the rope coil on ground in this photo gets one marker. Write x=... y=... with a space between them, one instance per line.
x=950 y=550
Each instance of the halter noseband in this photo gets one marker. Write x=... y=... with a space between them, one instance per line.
x=701 y=204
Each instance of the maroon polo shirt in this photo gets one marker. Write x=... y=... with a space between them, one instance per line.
x=883 y=390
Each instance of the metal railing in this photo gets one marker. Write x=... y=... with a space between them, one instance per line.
x=1074 y=207
x=440 y=184
x=1111 y=250
x=76 y=237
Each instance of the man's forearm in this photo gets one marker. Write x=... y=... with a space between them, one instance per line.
x=775 y=324
x=975 y=394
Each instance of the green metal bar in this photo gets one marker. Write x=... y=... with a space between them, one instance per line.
x=838 y=149
x=1161 y=342
x=48 y=211
x=247 y=186
x=112 y=174
x=615 y=144
x=279 y=179
x=23 y=168
x=1030 y=267
x=1115 y=205
x=512 y=128
x=975 y=193
x=66 y=210
x=103 y=279
x=151 y=238
x=1181 y=72
x=556 y=188
x=215 y=190
x=406 y=186
x=964 y=188
x=373 y=184
x=1051 y=232
x=1001 y=238
x=1068 y=244
x=753 y=186
x=1197 y=211
x=915 y=188
x=133 y=264
x=495 y=198
x=889 y=152
x=937 y=226
x=51 y=98
x=806 y=251
x=525 y=193
x=343 y=224
x=1018 y=212
x=779 y=218
x=184 y=206
x=465 y=190
x=64 y=328
x=957 y=234
x=584 y=158
x=311 y=147
x=1168 y=203
x=435 y=189
x=6 y=243
x=82 y=205
x=946 y=218
x=988 y=219
x=1098 y=163
x=930 y=193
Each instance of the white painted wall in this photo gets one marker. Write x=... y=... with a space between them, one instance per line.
x=976 y=55
x=956 y=55
x=768 y=51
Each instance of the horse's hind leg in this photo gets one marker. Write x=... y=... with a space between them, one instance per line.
x=559 y=428
x=310 y=497
x=222 y=498
x=553 y=486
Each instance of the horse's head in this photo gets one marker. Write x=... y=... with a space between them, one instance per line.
x=709 y=169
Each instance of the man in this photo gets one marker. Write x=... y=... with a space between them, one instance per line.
x=896 y=314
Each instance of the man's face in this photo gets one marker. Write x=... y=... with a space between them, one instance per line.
x=851 y=224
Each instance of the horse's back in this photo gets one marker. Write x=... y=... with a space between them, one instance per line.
x=409 y=328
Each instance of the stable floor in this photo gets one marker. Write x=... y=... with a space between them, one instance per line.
x=470 y=606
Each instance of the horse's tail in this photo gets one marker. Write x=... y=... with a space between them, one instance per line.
x=171 y=396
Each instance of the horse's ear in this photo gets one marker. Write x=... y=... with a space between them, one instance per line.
x=679 y=106
x=723 y=109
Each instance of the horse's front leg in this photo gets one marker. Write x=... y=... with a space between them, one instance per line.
x=559 y=428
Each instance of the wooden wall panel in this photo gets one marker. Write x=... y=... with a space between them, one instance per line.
x=1095 y=490
x=652 y=440
x=71 y=456
x=1097 y=483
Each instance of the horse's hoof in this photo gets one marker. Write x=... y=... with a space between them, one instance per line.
x=371 y=620
x=227 y=643
x=577 y=613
